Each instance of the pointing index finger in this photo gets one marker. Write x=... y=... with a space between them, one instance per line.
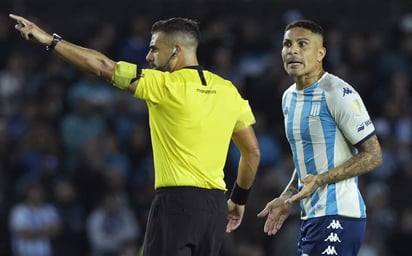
x=20 y=20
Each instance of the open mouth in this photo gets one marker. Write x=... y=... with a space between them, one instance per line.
x=294 y=63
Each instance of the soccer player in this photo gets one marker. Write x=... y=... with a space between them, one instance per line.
x=333 y=141
x=193 y=116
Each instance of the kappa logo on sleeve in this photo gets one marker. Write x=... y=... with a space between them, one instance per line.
x=347 y=91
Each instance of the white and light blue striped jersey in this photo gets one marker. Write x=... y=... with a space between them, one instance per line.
x=324 y=123
x=29 y=218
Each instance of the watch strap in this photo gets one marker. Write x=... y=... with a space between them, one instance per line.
x=56 y=39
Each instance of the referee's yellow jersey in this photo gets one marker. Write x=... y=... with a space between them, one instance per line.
x=192 y=115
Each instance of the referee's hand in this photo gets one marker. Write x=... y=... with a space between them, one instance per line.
x=31 y=31
x=235 y=215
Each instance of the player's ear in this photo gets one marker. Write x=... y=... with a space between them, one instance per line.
x=321 y=54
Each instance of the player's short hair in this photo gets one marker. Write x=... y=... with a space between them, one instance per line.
x=178 y=25
x=306 y=24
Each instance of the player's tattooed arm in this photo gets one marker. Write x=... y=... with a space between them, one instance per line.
x=368 y=159
x=292 y=187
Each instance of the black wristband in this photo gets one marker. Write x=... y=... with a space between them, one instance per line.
x=56 y=39
x=239 y=195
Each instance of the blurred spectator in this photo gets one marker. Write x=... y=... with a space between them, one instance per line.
x=78 y=128
x=130 y=248
x=88 y=177
x=72 y=239
x=93 y=90
x=37 y=156
x=110 y=226
x=113 y=157
x=33 y=224
x=399 y=239
x=12 y=79
x=252 y=47
x=5 y=35
x=125 y=114
x=217 y=36
x=133 y=46
x=381 y=217
x=102 y=36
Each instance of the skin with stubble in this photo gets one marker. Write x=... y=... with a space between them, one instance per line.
x=164 y=48
x=302 y=56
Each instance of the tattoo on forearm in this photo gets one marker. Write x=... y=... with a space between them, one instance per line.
x=369 y=158
x=292 y=187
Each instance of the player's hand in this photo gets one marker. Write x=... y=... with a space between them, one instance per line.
x=235 y=215
x=310 y=184
x=277 y=211
x=31 y=31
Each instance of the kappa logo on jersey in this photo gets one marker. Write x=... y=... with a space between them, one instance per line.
x=347 y=91
x=335 y=224
x=333 y=237
x=330 y=251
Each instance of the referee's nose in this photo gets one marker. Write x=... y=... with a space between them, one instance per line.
x=149 y=57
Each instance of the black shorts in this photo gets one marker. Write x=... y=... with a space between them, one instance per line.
x=186 y=221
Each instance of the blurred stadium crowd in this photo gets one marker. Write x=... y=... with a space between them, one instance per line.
x=74 y=143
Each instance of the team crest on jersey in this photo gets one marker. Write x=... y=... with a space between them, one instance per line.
x=286 y=111
x=315 y=108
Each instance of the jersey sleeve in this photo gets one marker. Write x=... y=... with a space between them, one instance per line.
x=350 y=113
x=246 y=117
x=151 y=86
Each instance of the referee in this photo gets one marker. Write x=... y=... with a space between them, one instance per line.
x=193 y=116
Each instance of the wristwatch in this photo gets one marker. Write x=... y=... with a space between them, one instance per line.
x=56 y=39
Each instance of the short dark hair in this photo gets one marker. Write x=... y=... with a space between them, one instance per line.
x=177 y=24
x=306 y=24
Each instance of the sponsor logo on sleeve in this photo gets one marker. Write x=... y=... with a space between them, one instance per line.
x=362 y=126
